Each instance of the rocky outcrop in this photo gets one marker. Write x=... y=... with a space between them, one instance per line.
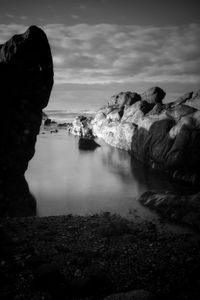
x=163 y=136
x=177 y=208
x=82 y=126
x=26 y=76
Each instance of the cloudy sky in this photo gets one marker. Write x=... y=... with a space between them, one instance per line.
x=102 y=47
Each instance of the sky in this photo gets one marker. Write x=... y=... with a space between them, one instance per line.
x=103 y=47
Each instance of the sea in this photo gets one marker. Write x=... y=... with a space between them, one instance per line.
x=62 y=116
x=67 y=180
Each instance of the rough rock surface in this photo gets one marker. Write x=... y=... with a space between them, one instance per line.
x=181 y=209
x=82 y=126
x=124 y=98
x=163 y=136
x=26 y=76
x=153 y=95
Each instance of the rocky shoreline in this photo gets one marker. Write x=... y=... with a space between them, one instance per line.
x=161 y=135
x=92 y=257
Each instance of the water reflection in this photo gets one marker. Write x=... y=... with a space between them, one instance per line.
x=66 y=180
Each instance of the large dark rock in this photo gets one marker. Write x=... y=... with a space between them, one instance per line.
x=26 y=78
x=153 y=95
x=169 y=147
x=87 y=144
x=177 y=208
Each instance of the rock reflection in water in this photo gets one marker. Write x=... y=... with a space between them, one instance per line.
x=66 y=180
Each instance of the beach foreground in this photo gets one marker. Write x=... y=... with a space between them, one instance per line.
x=74 y=257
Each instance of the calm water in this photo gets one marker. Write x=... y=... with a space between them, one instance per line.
x=67 y=180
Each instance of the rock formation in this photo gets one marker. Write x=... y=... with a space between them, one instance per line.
x=177 y=208
x=26 y=76
x=163 y=136
x=82 y=126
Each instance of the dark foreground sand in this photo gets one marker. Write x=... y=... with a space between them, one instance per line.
x=74 y=257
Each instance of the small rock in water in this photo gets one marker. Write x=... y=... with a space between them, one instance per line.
x=87 y=144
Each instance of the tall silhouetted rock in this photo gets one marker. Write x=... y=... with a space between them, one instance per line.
x=26 y=80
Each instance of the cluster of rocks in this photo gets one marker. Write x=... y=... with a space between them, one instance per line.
x=163 y=136
x=82 y=126
x=178 y=208
x=26 y=76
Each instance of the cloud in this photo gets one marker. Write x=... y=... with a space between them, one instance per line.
x=82 y=7
x=75 y=17
x=8 y=30
x=23 y=17
x=8 y=15
x=107 y=53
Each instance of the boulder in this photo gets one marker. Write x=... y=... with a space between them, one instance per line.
x=87 y=144
x=169 y=146
x=124 y=99
x=153 y=95
x=82 y=126
x=177 y=208
x=47 y=122
x=26 y=76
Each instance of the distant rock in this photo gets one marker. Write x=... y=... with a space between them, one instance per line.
x=26 y=76
x=47 y=122
x=82 y=126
